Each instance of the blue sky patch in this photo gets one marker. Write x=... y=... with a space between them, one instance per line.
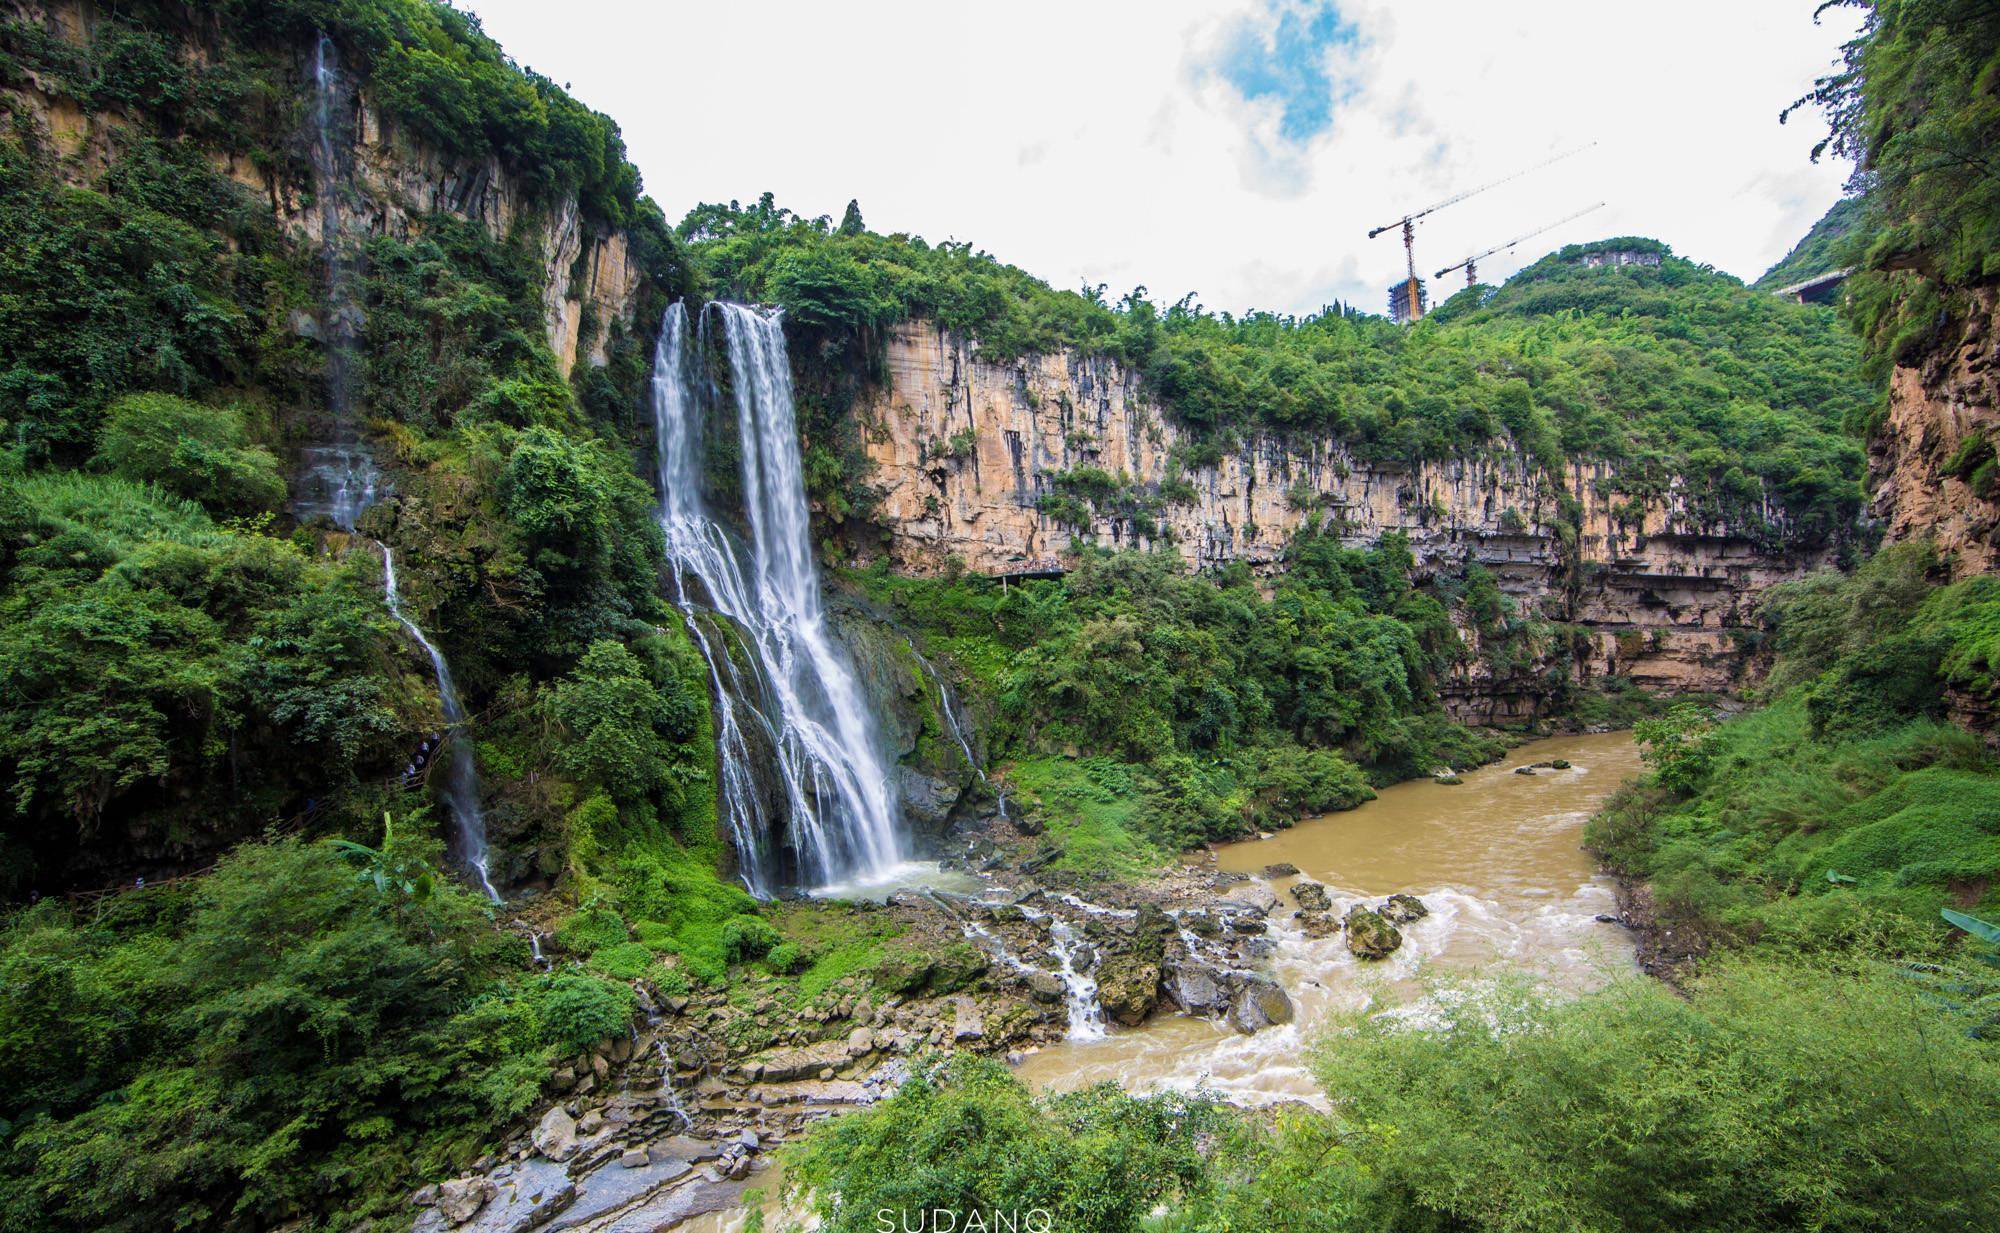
x=1286 y=62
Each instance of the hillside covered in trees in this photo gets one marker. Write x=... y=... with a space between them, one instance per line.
x=246 y=983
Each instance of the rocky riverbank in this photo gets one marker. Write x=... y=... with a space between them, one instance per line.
x=677 y=1118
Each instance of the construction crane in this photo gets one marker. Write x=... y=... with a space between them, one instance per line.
x=1471 y=264
x=1411 y=291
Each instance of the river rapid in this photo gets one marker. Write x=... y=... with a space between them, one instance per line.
x=1499 y=861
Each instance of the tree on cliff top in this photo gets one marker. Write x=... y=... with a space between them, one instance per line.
x=1915 y=102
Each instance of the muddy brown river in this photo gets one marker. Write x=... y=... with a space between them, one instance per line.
x=1499 y=861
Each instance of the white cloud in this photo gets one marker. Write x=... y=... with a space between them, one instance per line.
x=1096 y=142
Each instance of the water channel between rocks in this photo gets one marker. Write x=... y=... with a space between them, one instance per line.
x=1499 y=861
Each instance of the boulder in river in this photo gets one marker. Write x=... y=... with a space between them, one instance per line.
x=1402 y=909
x=1196 y=988
x=1259 y=1003
x=1044 y=986
x=1369 y=935
x=1311 y=896
x=1281 y=869
x=1128 y=987
x=1317 y=924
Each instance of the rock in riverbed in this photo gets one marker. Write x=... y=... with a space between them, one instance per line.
x=1311 y=896
x=1402 y=909
x=1260 y=1002
x=1369 y=935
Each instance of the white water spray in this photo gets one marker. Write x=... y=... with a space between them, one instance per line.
x=840 y=807
x=1086 y=1013
x=461 y=794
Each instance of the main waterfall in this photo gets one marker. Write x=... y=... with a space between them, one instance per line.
x=839 y=809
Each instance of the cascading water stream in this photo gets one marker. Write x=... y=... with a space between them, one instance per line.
x=461 y=794
x=840 y=807
x=338 y=479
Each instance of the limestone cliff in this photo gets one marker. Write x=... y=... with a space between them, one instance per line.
x=1941 y=427
x=394 y=182
x=965 y=450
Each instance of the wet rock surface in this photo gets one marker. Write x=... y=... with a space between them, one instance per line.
x=1369 y=934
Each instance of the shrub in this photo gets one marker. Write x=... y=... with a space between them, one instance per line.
x=576 y=1011
x=592 y=929
x=963 y=1134
x=748 y=937
x=190 y=450
x=1777 y=1097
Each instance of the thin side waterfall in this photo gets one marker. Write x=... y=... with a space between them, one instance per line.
x=840 y=808
x=948 y=708
x=338 y=478
x=461 y=792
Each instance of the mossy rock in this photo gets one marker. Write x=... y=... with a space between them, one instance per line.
x=1128 y=987
x=902 y=971
x=956 y=967
x=1369 y=934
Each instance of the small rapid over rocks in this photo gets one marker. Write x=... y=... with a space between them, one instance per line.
x=833 y=822
x=1496 y=860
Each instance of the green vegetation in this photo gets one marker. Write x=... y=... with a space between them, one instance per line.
x=1820 y=251
x=175 y=682
x=1913 y=105
x=289 y=1037
x=1773 y=1097
x=1664 y=371
x=1147 y=710
x=1847 y=812
x=964 y=1135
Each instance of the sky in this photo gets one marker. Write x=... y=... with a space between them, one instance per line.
x=1240 y=150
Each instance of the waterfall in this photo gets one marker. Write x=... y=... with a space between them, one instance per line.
x=338 y=479
x=461 y=792
x=1086 y=1013
x=840 y=807
x=948 y=709
x=669 y=1095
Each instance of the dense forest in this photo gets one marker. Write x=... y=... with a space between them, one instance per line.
x=244 y=984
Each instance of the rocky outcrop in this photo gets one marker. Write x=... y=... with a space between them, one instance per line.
x=1942 y=425
x=964 y=451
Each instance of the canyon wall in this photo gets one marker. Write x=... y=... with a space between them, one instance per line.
x=1942 y=422
x=964 y=450
x=395 y=183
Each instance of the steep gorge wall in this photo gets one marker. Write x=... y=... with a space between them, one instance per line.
x=395 y=183
x=1939 y=412
x=1658 y=597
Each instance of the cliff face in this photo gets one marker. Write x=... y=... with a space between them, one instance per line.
x=964 y=451
x=1942 y=422
x=393 y=183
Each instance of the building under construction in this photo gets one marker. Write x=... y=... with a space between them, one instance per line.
x=1408 y=300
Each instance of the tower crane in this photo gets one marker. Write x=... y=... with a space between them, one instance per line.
x=1471 y=264
x=1409 y=295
